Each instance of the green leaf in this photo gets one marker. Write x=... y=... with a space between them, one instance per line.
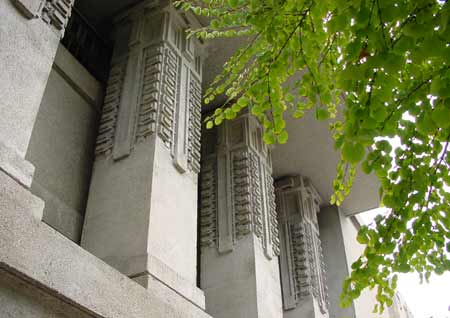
x=362 y=236
x=404 y=268
x=229 y=113
x=283 y=137
x=236 y=107
x=383 y=81
x=353 y=152
x=269 y=137
x=322 y=114
x=426 y=125
x=243 y=102
x=441 y=115
x=233 y=3
x=218 y=120
x=366 y=167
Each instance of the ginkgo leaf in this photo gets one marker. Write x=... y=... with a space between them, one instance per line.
x=353 y=152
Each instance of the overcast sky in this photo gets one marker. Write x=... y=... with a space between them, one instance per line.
x=424 y=300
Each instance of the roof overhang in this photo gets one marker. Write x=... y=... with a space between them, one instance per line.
x=309 y=151
x=310 y=148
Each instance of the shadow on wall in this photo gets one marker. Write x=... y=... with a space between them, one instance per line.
x=62 y=143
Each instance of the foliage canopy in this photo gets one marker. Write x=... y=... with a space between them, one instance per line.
x=388 y=63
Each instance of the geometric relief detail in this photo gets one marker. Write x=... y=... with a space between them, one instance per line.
x=208 y=204
x=169 y=98
x=242 y=193
x=251 y=190
x=306 y=257
x=300 y=258
x=152 y=66
x=57 y=12
x=194 y=123
x=273 y=220
x=161 y=95
x=320 y=285
x=107 y=126
x=256 y=193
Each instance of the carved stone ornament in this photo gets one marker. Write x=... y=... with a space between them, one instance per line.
x=57 y=12
x=154 y=88
x=301 y=259
x=237 y=195
x=29 y=8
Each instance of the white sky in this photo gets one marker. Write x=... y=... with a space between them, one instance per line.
x=424 y=300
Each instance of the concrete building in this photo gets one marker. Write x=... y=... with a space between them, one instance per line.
x=115 y=203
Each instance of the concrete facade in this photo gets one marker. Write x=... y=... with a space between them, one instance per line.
x=113 y=201
x=239 y=270
x=336 y=260
x=62 y=143
x=302 y=267
x=148 y=148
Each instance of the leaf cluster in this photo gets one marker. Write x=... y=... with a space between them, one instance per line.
x=386 y=63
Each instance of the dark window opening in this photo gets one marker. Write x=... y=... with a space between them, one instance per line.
x=87 y=46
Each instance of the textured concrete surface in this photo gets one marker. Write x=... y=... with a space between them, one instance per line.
x=268 y=287
x=151 y=205
x=20 y=299
x=163 y=275
x=62 y=144
x=241 y=283
x=119 y=202
x=27 y=51
x=15 y=166
x=69 y=273
x=15 y=197
x=335 y=257
x=142 y=201
x=302 y=270
x=78 y=77
x=173 y=216
x=29 y=8
x=306 y=308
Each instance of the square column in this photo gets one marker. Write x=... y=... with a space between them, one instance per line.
x=30 y=31
x=239 y=242
x=333 y=236
x=141 y=215
x=301 y=261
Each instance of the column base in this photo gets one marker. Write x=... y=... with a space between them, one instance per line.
x=150 y=272
x=156 y=273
